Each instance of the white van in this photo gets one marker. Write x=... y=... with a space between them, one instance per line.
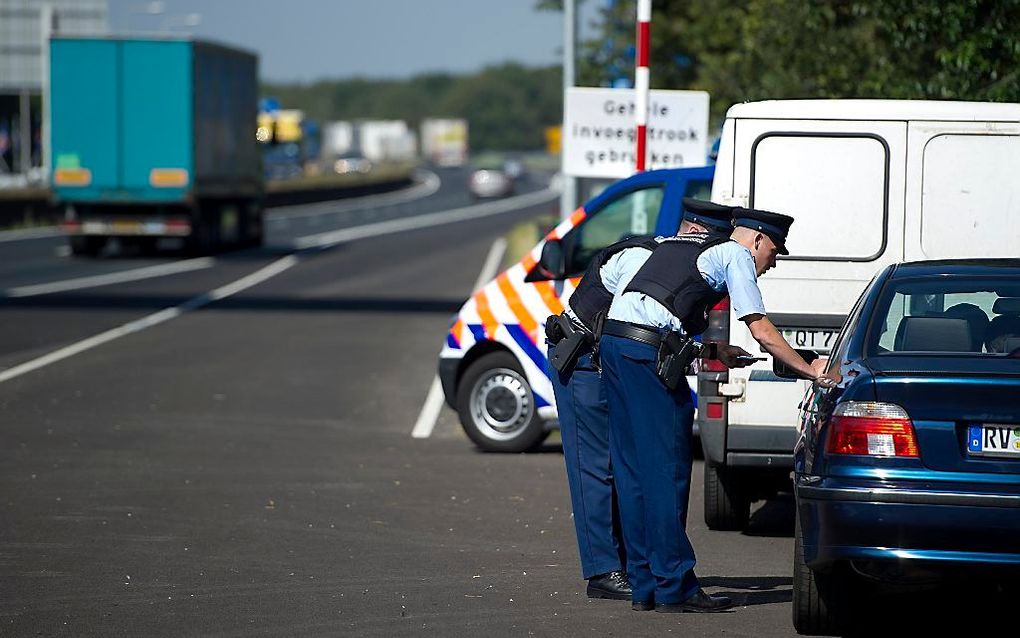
x=868 y=182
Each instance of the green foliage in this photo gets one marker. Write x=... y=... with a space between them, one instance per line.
x=741 y=50
x=507 y=106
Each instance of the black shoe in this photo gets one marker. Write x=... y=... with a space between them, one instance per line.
x=613 y=586
x=643 y=605
x=699 y=603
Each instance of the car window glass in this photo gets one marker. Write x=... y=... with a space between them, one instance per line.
x=978 y=317
x=699 y=189
x=632 y=214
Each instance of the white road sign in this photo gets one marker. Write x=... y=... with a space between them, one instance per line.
x=599 y=138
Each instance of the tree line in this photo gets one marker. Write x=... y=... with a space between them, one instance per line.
x=507 y=106
x=737 y=50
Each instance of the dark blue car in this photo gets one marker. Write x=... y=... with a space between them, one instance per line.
x=909 y=462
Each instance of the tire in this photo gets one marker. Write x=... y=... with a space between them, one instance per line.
x=205 y=231
x=87 y=245
x=727 y=502
x=819 y=599
x=497 y=406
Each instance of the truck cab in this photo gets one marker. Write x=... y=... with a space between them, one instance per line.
x=493 y=366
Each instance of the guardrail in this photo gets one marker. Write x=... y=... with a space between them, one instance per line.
x=34 y=206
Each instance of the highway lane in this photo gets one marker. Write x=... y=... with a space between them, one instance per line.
x=247 y=469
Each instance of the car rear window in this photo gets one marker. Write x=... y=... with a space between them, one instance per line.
x=958 y=315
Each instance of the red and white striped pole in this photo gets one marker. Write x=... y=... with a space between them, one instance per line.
x=641 y=74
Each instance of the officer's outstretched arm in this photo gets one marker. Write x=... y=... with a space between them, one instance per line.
x=769 y=338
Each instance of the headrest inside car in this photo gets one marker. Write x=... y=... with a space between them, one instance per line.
x=1006 y=306
x=934 y=334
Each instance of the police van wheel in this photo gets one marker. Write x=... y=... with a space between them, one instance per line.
x=727 y=503
x=497 y=407
x=819 y=599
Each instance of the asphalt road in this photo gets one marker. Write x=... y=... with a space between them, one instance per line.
x=246 y=468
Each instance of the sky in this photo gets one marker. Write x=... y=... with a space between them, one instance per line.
x=307 y=40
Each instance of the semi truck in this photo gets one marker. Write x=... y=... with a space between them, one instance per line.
x=444 y=142
x=154 y=138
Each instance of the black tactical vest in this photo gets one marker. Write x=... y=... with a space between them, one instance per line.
x=591 y=297
x=671 y=277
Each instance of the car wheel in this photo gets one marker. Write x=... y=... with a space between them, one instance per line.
x=819 y=599
x=497 y=407
x=727 y=502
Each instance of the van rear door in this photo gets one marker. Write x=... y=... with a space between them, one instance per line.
x=842 y=181
x=964 y=185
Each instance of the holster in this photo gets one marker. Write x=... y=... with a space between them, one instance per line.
x=675 y=356
x=566 y=343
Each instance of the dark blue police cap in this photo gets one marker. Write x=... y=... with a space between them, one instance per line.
x=775 y=225
x=710 y=215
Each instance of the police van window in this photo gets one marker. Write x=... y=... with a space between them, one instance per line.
x=632 y=214
x=829 y=184
x=699 y=189
x=970 y=186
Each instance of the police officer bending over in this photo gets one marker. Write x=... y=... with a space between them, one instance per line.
x=645 y=349
x=581 y=398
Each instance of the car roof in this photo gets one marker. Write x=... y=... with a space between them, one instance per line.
x=877 y=110
x=958 y=267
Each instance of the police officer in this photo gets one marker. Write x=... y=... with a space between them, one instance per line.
x=650 y=424
x=584 y=413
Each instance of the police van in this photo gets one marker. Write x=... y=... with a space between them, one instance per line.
x=493 y=366
x=869 y=183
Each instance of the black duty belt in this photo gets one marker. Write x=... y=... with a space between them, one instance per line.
x=644 y=334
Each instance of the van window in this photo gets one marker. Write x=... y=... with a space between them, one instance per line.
x=699 y=189
x=632 y=214
x=970 y=196
x=833 y=186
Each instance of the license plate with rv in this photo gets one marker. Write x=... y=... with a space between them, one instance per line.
x=817 y=339
x=993 y=439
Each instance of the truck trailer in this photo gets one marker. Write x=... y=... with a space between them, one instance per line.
x=155 y=138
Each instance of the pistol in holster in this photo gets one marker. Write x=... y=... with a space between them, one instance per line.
x=676 y=354
x=566 y=343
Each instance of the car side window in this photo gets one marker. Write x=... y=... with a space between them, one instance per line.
x=699 y=189
x=635 y=213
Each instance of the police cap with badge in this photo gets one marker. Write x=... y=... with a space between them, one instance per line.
x=775 y=225
x=714 y=217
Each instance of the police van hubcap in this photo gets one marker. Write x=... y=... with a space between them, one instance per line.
x=501 y=403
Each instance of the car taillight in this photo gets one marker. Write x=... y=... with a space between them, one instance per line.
x=868 y=428
x=718 y=331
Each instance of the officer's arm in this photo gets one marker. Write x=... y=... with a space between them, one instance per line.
x=769 y=338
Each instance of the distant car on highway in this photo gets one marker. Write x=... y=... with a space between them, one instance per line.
x=490 y=182
x=908 y=465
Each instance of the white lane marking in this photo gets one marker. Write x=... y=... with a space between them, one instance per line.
x=136 y=274
x=434 y=401
x=331 y=238
x=429 y=184
x=29 y=233
x=154 y=319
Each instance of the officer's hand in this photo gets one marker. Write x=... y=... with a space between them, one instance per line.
x=728 y=355
x=819 y=365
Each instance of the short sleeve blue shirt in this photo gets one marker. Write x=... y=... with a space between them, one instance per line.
x=728 y=266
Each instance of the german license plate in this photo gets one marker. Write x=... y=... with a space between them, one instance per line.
x=993 y=439
x=817 y=339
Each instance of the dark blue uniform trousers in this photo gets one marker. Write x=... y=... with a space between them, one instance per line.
x=584 y=428
x=650 y=442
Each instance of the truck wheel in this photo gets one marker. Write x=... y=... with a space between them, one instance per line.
x=819 y=599
x=205 y=227
x=727 y=502
x=497 y=407
x=87 y=246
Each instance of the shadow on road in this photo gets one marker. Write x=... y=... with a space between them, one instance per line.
x=247 y=303
x=774 y=518
x=747 y=591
